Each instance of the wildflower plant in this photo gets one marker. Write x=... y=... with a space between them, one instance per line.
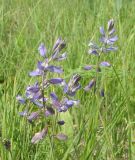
x=38 y=105
x=105 y=46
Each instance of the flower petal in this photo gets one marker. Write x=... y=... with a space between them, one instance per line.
x=37 y=72
x=110 y=25
x=102 y=93
x=56 y=80
x=39 y=135
x=61 y=122
x=61 y=57
x=32 y=116
x=87 y=67
x=53 y=96
x=20 y=99
x=91 y=51
x=90 y=85
x=42 y=50
x=49 y=111
x=54 y=69
x=102 y=31
x=105 y=64
x=61 y=137
x=23 y=113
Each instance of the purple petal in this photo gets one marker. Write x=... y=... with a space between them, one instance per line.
x=61 y=137
x=113 y=39
x=55 y=101
x=40 y=105
x=76 y=87
x=70 y=103
x=102 y=31
x=111 y=49
x=105 y=64
x=112 y=32
x=37 y=72
x=40 y=65
x=110 y=25
x=65 y=89
x=54 y=97
x=24 y=113
x=61 y=122
x=90 y=85
x=39 y=135
x=33 y=88
x=61 y=57
x=20 y=99
x=54 y=69
x=37 y=95
x=93 y=45
x=87 y=67
x=102 y=94
x=49 y=111
x=56 y=80
x=57 y=43
x=93 y=52
x=32 y=116
x=42 y=50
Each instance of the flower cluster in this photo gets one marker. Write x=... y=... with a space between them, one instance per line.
x=106 y=45
x=38 y=104
x=35 y=95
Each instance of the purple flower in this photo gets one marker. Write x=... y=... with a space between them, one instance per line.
x=37 y=72
x=56 y=80
x=93 y=51
x=109 y=49
x=59 y=44
x=33 y=88
x=61 y=57
x=33 y=116
x=61 y=137
x=87 y=68
x=49 y=111
x=20 y=99
x=109 y=41
x=42 y=50
x=54 y=97
x=66 y=104
x=39 y=135
x=33 y=92
x=55 y=69
x=111 y=32
x=110 y=25
x=90 y=85
x=105 y=64
x=42 y=66
x=40 y=105
x=102 y=31
x=61 y=122
x=73 y=85
x=23 y=113
x=55 y=101
x=102 y=93
x=112 y=39
x=93 y=45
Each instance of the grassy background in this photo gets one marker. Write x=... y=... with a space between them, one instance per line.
x=100 y=129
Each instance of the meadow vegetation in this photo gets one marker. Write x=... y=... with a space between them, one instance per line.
x=99 y=128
